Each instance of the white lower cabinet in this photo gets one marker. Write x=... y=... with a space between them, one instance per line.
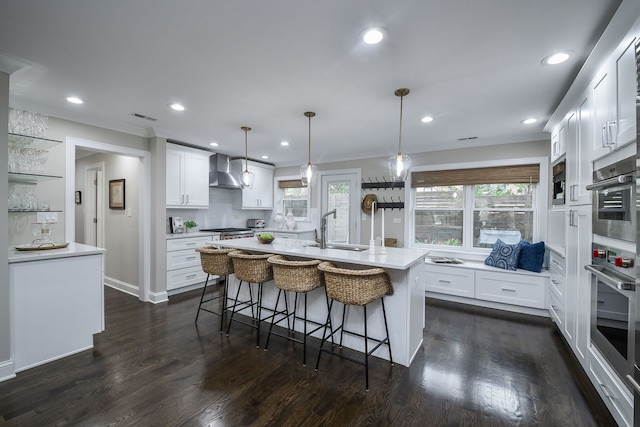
x=183 y=262
x=476 y=281
x=613 y=392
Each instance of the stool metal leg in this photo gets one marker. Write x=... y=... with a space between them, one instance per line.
x=384 y=314
x=366 y=351
x=202 y=297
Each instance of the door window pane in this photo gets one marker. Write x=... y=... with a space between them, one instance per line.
x=338 y=195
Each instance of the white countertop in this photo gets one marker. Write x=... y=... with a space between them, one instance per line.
x=395 y=258
x=192 y=234
x=283 y=230
x=74 y=249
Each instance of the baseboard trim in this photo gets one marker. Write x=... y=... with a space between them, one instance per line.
x=7 y=370
x=489 y=304
x=158 y=297
x=119 y=285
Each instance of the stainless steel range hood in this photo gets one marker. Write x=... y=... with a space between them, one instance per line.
x=220 y=172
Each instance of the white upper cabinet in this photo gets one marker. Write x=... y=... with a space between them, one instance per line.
x=603 y=113
x=558 y=144
x=626 y=90
x=187 y=177
x=260 y=196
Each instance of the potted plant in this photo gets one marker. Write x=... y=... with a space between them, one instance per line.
x=191 y=225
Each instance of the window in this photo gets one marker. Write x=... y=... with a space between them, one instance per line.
x=294 y=198
x=472 y=208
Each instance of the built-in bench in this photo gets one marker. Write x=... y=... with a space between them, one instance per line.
x=473 y=282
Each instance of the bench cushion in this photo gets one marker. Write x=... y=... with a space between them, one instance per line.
x=531 y=256
x=504 y=256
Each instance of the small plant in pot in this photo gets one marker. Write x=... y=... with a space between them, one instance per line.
x=190 y=225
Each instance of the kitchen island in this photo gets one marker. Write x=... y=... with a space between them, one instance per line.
x=405 y=308
x=57 y=302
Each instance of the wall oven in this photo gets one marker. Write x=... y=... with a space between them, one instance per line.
x=614 y=200
x=613 y=306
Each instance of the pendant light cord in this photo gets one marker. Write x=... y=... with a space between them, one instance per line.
x=309 y=162
x=246 y=148
x=400 y=134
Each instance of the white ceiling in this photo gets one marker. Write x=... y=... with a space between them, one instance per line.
x=473 y=65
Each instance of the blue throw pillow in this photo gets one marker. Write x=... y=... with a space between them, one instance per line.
x=504 y=256
x=531 y=256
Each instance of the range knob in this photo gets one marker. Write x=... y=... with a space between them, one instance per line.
x=599 y=253
x=622 y=262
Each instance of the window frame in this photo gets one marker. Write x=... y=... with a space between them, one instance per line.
x=539 y=206
x=279 y=198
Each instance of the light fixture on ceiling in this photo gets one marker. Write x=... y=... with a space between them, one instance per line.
x=426 y=119
x=214 y=144
x=373 y=35
x=177 y=107
x=557 y=58
x=246 y=180
x=400 y=164
x=528 y=121
x=265 y=157
x=284 y=143
x=309 y=172
x=75 y=100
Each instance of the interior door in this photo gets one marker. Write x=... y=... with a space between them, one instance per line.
x=341 y=191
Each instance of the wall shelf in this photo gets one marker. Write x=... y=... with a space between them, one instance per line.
x=382 y=185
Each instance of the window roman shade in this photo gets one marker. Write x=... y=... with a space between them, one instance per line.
x=290 y=183
x=520 y=174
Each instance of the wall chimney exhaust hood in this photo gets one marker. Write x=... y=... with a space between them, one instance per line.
x=220 y=172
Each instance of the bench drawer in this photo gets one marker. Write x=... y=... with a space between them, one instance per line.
x=450 y=280
x=527 y=291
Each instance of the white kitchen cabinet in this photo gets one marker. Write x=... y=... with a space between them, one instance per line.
x=184 y=268
x=603 y=110
x=450 y=281
x=578 y=281
x=558 y=144
x=260 y=196
x=626 y=90
x=557 y=288
x=187 y=177
x=614 y=393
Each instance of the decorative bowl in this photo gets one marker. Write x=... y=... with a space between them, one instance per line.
x=265 y=240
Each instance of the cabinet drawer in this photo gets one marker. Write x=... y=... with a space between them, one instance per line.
x=513 y=289
x=184 y=277
x=557 y=283
x=183 y=259
x=614 y=394
x=557 y=262
x=450 y=280
x=187 y=243
x=556 y=309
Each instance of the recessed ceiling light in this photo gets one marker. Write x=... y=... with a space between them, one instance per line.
x=426 y=119
x=528 y=121
x=75 y=100
x=213 y=144
x=373 y=35
x=557 y=58
x=177 y=107
x=265 y=157
x=284 y=143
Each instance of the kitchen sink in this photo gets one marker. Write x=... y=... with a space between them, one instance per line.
x=341 y=247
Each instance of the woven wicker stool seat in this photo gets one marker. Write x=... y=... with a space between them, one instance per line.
x=250 y=268
x=215 y=262
x=299 y=277
x=355 y=288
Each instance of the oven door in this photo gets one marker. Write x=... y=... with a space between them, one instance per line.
x=614 y=212
x=613 y=322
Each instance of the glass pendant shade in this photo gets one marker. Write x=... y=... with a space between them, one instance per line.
x=399 y=166
x=246 y=180
x=308 y=174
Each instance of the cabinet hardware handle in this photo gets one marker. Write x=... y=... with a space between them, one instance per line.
x=187 y=200
x=191 y=276
x=191 y=258
x=182 y=199
x=606 y=393
x=600 y=301
x=634 y=383
x=555 y=282
x=191 y=243
x=509 y=289
x=444 y=281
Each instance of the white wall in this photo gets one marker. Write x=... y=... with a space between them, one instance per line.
x=6 y=366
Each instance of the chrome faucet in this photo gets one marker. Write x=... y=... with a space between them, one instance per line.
x=323 y=229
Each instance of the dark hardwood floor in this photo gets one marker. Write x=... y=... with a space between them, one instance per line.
x=154 y=367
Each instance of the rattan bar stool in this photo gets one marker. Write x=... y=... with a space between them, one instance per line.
x=355 y=287
x=250 y=268
x=216 y=262
x=300 y=278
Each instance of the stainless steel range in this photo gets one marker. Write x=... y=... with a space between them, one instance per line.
x=231 y=233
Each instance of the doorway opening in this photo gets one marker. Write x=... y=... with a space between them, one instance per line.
x=340 y=190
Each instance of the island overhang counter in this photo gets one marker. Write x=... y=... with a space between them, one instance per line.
x=405 y=308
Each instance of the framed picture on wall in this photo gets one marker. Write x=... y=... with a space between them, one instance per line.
x=116 y=194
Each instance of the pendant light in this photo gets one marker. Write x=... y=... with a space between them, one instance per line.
x=246 y=180
x=400 y=164
x=309 y=172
